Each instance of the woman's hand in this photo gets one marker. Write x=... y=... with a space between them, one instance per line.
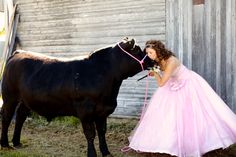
x=154 y=70
x=151 y=73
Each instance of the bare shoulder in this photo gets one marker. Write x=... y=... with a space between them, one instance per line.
x=172 y=64
x=173 y=61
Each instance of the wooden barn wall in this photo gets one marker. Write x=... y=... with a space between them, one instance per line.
x=69 y=28
x=203 y=35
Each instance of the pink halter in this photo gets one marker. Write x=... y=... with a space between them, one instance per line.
x=140 y=61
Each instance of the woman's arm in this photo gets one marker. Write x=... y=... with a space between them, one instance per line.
x=172 y=64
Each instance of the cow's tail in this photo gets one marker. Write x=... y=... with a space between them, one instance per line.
x=17 y=44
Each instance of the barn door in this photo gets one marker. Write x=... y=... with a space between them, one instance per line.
x=203 y=34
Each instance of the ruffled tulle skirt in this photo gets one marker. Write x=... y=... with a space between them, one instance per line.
x=185 y=118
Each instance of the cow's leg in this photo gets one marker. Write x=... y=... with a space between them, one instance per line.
x=89 y=132
x=101 y=125
x=8 y=110
x=21 y=115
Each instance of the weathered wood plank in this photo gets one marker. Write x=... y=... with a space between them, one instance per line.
x=187 y=34
x=232 y=103
x=46 y=15
x=36 y=29
x=170 y=24
x=180 y=36
x=223 y=38
x=85 y=5
x=198 y=40
x=45 y=36
x=228 y=50
x=210 y=43
x=218 y=47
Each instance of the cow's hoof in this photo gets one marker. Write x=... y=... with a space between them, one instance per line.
x=18 y=146
x=7 y=148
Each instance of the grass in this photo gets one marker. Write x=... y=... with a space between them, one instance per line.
x=63 y=137
x=19 y=154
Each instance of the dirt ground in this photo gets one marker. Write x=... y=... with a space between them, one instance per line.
x=65 y=139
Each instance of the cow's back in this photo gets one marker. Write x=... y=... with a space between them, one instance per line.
x=36 y=80
x=18 y=66
x=49 y=85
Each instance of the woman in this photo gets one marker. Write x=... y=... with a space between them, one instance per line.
x=185 y=117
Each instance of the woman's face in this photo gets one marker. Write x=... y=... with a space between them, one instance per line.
x=151 y=53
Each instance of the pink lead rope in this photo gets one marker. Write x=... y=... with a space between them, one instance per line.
x=127 y=148
x=146 y=91
x=145 y=99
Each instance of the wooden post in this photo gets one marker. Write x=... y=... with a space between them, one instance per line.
x=14 y=28
x=9 y=32
x=8 y=39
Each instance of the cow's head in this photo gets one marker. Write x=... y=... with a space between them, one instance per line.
x=135 y=54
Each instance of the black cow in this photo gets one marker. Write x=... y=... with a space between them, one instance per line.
x=86 y=89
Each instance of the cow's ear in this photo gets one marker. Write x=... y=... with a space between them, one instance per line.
x=132 y=43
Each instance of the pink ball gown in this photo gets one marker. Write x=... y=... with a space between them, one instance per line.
x=185 y=118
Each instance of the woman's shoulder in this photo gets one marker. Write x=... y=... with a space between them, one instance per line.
x=174 y=61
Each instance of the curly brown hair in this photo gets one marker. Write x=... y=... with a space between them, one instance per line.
x=159 y=47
